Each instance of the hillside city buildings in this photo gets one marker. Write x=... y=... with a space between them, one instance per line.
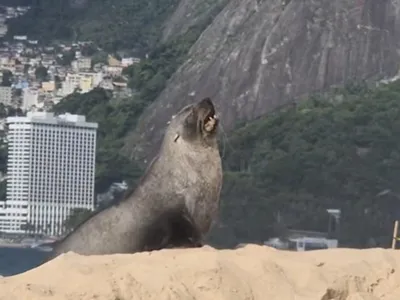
x=51 y=159
x=69 y=68
x=5 y=95
x=50 y=170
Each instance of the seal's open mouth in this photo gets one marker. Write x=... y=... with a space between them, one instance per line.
x=210 y=121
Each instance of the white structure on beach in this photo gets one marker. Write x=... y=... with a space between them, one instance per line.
x=50 y=169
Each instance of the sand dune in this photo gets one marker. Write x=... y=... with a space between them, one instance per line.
x=252 y=272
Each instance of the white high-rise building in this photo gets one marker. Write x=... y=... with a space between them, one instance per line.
x=50 y=169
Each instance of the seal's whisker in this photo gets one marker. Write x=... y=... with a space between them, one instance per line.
x=224 y=139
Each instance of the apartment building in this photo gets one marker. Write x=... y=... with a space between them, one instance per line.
x=30 y=98
x=6 y=95
x=82 y=64
x=85 y=81
x=51 y=170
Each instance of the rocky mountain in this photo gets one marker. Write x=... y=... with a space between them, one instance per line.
x=191 y=13
x=256 y=56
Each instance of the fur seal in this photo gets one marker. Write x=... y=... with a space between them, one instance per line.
x=176 y=201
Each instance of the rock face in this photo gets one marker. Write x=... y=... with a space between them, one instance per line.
x=258 y=55
x=191 y=13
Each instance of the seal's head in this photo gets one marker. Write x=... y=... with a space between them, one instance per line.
x=195 y=123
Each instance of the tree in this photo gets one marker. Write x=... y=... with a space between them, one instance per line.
x=26 y=68
x=336 y=150
x=3 y=111
x=3 y=187
x=57 y=82
x=7 y=78
x=41 y=73
x=28 y=227
x=115 y=119
x=66 y=58
x=11 y=111
x=153 y=87
x=76 y=217
x=88 y=50
x=138 y=25
x=99 y=57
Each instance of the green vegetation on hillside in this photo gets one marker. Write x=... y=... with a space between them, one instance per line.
x=15 y=3
x=115 y=118
x=109 y=24
x=76 y=217
x=150 y=75
x=339 y=150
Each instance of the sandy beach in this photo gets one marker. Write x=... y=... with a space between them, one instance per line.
x=251 y=272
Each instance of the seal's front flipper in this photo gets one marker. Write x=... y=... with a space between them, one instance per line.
x=184 y=233
x=174 y=229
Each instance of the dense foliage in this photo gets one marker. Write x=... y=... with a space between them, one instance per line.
x=76 y=217
x=339 y=150
x=16 y=2
x=114 y=117
x=150 y=75
x=109 y=24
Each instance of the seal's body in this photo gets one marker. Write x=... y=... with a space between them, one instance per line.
x=176 y=201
